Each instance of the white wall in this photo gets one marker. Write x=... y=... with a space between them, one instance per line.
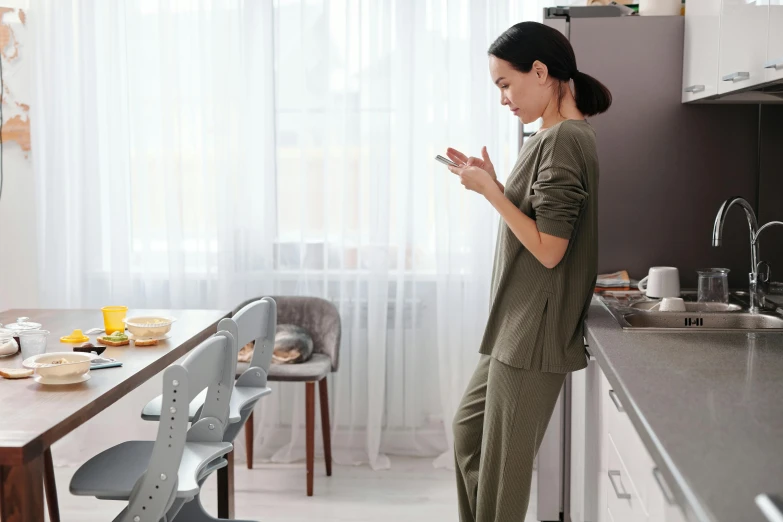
x=18 y=243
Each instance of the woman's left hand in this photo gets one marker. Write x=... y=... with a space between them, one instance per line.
x=475 y=179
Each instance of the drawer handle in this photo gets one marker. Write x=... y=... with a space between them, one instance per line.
x=736 y=77
x=774 y=64
x=667 y=493
x=695 y=88
x=612 y=474
x=770 y=507
x=616 y=401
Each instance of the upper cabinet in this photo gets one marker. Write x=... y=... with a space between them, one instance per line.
x=702 y=37
x=744 y=26
x=731 y=46
x=700 y=66
x=774 y=63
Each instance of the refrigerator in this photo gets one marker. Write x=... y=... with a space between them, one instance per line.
x=654 y=153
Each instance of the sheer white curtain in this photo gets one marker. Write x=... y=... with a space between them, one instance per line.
x=192 y=154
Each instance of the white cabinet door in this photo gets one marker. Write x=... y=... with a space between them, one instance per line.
x=743 y=44
x=774 y=64
x=700 y=60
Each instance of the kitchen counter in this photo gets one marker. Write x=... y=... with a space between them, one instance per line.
x=708 y=407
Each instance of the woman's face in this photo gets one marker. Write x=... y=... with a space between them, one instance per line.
x=525 y=94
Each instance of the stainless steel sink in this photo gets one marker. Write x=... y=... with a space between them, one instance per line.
x=652 y=305
x=714 y=321
x=639 y=314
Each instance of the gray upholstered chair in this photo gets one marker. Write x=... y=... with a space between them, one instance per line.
x=321 y=318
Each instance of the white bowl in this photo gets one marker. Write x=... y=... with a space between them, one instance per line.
x=77 y=364
x=149 y=327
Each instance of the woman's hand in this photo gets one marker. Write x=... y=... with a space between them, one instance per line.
x=483 y=162
x=476 y=179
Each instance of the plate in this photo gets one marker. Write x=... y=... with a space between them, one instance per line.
x=69 y=380
x=162 y=338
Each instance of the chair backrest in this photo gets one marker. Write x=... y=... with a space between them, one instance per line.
x=207 y=366
x=255 y=321
x=318 y=316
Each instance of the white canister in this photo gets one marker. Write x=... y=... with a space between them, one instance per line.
x=8 y=345
x=660 y=7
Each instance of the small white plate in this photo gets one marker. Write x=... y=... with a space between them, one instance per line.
x=66 y=380
x=133 y=337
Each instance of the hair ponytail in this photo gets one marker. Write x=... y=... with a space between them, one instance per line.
x=525 y=42
x=592 y=97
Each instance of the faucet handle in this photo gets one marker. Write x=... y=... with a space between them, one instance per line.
x=763 y=271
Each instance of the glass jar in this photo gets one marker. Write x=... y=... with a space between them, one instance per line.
x=713 y=285
x=22 y=324
x=33 y=342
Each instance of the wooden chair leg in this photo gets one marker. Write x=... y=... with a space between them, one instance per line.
x=249 y=441
x=225 y=488
x=50 y=487
x=310 y=429
x=325 y=427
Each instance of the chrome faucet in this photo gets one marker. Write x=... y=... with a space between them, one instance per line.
x=756 y=289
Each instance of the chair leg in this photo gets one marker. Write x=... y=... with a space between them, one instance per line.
x=225 y=488
x=310 y=429
x=50 y=487
x=325 y=427
x=249 y=441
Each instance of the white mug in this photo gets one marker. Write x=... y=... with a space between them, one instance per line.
x=662 y=281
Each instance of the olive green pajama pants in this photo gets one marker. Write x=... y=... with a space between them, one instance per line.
x=497 y=432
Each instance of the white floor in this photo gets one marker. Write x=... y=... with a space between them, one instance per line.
x=411 y=491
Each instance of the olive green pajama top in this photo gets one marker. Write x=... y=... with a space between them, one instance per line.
x=534 y=308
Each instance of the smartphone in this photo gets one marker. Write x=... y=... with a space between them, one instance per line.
x=446 y=161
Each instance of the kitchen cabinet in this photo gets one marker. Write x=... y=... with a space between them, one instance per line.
x=774 y=63
x=700 y=58
x=613 y=476
x=744 y=26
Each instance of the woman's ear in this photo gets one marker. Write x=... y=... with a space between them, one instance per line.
x=541 y=72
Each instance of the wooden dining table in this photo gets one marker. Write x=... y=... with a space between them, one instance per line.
x=33 y=416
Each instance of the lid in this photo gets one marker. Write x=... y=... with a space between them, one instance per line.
x=21 y=324
x=75 y=337
x=712 y=271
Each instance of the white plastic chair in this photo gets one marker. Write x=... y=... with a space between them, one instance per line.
x=159 y=477
x=257 y=321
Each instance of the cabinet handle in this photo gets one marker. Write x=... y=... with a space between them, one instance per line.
x=615 y=473
x=616 y=401
x=770 y=507
x=695 y=88
x=736 y=77
x=774 y=64
x=667 y=493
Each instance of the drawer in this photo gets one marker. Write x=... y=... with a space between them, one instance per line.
x=630 y=448
x=623 y=503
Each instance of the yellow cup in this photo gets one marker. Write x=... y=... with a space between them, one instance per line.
x=112 y=318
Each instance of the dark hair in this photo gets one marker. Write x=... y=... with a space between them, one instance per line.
x=525 y=42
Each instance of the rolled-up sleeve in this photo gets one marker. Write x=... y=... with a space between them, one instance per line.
x=558 y=197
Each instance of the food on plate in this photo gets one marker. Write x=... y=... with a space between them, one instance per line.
x=115 y=339
x=15 y=373
x=145 y=342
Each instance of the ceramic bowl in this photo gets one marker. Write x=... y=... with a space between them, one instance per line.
x=149 y=327
x=68 y=365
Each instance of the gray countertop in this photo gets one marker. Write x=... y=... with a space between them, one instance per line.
x=708 y=406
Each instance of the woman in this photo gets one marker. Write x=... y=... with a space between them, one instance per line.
x=544 y=270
